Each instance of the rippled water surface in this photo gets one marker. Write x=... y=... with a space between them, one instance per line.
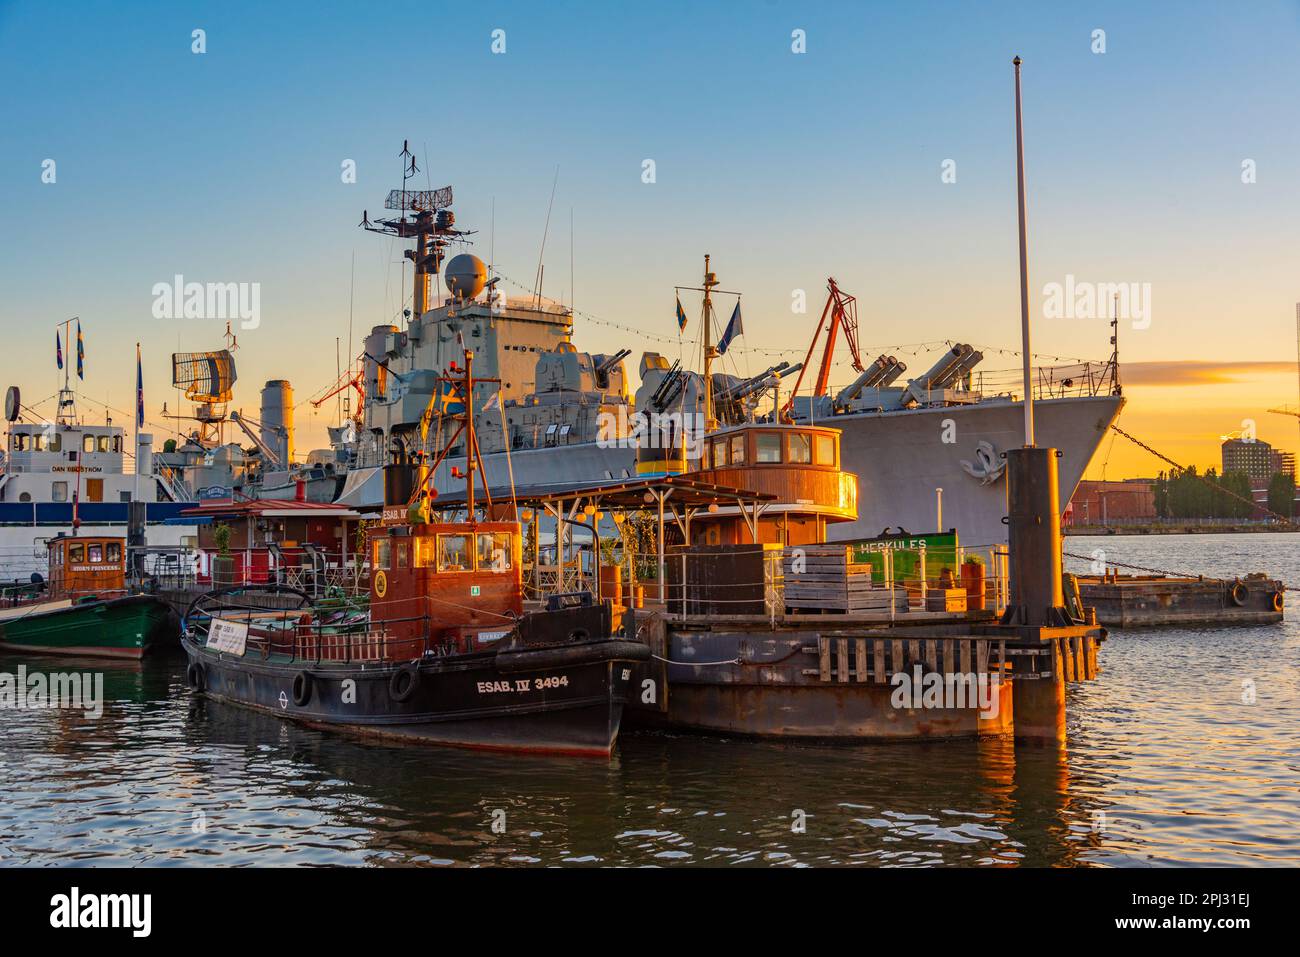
x=1165 y=765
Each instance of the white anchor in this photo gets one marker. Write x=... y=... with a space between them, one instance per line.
x=989 y=469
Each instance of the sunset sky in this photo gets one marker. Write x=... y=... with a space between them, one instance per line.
x=787 y=167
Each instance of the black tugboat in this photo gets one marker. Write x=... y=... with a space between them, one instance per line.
x=445 y=655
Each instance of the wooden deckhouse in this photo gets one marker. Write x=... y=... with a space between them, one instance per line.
x=79 y=567
x=798 y=465
x=449 y=586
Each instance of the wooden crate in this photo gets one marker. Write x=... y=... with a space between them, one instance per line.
x=823 y=578
x=945 y=599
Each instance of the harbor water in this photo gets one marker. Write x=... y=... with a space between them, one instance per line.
x=1186 y=751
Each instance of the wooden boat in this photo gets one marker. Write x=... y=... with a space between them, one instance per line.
x=85 y=608
x=446 y=655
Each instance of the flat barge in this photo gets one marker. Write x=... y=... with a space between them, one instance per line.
x=1140 y=601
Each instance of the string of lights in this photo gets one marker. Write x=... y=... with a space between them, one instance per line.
x=907 y=348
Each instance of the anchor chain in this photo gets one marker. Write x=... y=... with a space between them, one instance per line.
x=1218 y=488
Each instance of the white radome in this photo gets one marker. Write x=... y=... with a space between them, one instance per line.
x=465 y=275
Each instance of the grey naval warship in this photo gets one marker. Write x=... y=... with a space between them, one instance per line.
x=559 y=415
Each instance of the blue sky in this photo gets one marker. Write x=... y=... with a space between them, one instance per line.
x=787 y=168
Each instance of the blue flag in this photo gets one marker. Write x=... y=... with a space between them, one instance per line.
x=734 y=328
x=81 y=354
x=681 y=316
x=58 y=349
x=139 y=390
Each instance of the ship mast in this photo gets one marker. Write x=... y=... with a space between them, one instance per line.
x=426 y=217
x=710 y=349
x=67 y=411
x=471 y=444
x=710 y=352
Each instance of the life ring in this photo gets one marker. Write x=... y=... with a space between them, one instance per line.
x=381 y=584
x=404 y=682
x=1238 y=594
x=194 y=676
x=302 y=688
x=1278 y=600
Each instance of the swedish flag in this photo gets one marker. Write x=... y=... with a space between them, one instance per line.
x=681 y=316
x=450 y=401
x=81 y=354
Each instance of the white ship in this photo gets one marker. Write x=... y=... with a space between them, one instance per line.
x=918 y=444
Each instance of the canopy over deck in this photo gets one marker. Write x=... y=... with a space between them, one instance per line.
x=669 y=496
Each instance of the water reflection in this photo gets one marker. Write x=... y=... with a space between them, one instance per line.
x=1165 y=764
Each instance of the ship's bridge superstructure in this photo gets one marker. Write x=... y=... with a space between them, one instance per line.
x=549 y=393
x=45 y=461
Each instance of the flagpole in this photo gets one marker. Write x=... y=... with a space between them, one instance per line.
x=1024 y=269
x=139 y=399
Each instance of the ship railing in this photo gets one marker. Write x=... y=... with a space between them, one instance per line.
x=971 y=577
x=19 y=592
x=1070 y=380
x=156 y=567
x=322 y=640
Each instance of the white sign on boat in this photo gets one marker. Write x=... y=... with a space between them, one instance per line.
x=228 y=637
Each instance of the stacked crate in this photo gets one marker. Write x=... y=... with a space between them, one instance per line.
x=825 y=579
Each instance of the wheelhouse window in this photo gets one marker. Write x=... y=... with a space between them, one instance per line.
x=95 y=553
x=402 y=555
x=494 y=552
x=453 y=553
x=799 y=448
x=103 y=443
x=19 y=441
x=737 y=449
x=825 y=449
x=767 y=447
x=379 y=557
x=55 y=443
x=719 y=453
x=87 y=443
x=425 y=550
x=76 y=553
x=113 y=553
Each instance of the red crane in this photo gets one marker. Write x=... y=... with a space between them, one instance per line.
x=348 y=380
x=843 y=311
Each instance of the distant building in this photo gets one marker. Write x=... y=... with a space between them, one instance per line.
x=1257 y=459
x=1099 y=503
x=1284 y=462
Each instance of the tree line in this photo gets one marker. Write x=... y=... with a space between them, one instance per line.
x=1191 y=495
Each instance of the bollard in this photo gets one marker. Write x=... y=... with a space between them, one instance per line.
x=1034 y=539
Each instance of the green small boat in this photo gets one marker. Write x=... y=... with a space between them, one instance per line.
x=128 y=627
x=87 y=609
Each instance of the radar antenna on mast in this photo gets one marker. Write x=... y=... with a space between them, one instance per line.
x=425 y=217
x=208 y=379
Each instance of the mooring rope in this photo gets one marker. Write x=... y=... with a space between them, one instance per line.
x=697 y=664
